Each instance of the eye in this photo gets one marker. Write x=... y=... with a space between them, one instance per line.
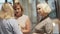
x=38 y=8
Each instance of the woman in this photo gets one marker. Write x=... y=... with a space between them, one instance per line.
x=22 y=19
x=45 y=25
x=10 y=24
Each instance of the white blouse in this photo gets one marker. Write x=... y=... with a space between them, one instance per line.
x=22 y=21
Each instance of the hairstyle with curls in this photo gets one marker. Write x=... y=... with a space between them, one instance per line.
x=10 y=12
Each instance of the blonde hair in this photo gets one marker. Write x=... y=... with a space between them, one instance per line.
x=45 y=7
x=10 y=12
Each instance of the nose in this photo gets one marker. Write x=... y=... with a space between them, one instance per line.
x=16 y=10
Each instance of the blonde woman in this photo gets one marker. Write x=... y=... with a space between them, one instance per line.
x=10 y=24
x=45 y=25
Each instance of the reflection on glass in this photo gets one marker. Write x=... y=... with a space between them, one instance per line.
x=10 y=1
x=1 y=3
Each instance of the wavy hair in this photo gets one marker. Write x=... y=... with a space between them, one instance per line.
x=10 y=12
x=45 y=7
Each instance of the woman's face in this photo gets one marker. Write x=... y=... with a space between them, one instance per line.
x=40 y=11
x=18 y=11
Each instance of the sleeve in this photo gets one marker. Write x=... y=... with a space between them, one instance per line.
x=49 y=27
x=40 y=25
x=47 y=23
x=16 y=29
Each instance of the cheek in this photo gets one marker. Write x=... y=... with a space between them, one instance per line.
x=41 y=12
x=19 y=13
x=19 y=9
x=38 y=11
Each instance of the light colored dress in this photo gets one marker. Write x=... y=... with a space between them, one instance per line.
x=22 y=21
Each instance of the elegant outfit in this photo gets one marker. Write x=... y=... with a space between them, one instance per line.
x=22 y=21
x=45 y=26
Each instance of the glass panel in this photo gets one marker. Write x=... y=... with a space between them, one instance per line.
x=52 y=5
x=10 y=1
x=1 y=3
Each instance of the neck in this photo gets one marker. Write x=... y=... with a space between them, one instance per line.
x=17 y=16
x=43 y=18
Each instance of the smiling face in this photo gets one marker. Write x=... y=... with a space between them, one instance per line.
x=43 y=9
x=40 y=11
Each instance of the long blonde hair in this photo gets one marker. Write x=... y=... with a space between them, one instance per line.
x=9 y=13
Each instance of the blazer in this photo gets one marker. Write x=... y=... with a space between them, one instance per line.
x=9 y=26
x=45 y=26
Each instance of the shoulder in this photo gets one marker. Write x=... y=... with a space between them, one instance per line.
x=24 y=17
x=45 y=21
x=48 y=19
x=12 y=21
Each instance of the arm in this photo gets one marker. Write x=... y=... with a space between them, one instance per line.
x=27 y=28
x=40 y=25
x=48 y=25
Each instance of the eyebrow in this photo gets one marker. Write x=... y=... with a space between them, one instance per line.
x=38 y=8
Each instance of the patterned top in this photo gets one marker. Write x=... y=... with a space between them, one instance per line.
x=22 y=21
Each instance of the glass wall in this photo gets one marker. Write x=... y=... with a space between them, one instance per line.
x=10 y=1
x=1 y=3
